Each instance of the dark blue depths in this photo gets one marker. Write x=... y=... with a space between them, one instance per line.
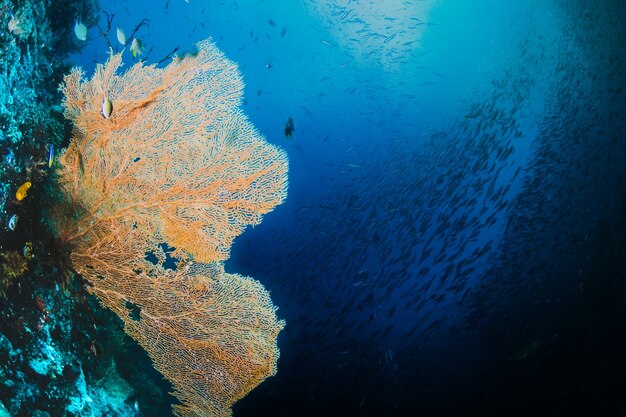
x=460 y=272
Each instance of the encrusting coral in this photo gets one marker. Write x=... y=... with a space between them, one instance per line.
x=175 y=162
x=12 y=266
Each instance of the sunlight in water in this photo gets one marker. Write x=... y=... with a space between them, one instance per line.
x=387 y=32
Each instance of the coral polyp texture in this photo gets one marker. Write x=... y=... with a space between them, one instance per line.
x=175 y=164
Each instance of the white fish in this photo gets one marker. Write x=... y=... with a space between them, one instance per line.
x=80 y=31
x=107 y=107
x=121 y=36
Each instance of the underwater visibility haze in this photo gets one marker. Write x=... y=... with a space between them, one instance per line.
x=305 y=208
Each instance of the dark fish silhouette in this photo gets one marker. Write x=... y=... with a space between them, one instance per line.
x=289 y=129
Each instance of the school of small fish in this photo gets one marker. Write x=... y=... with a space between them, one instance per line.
x=397 y=260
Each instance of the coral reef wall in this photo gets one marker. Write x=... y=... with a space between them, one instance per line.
x=35 y=39
x=60 y=353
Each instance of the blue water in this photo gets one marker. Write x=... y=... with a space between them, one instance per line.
x=453 y=241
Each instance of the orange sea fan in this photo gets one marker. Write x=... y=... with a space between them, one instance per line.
x=176 y=152
x=175 y=163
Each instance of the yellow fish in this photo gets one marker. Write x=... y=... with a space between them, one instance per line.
x=22 y=191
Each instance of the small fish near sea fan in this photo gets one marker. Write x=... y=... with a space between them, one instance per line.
x=176 y=162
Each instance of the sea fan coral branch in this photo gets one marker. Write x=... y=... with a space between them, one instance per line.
x=176 y=163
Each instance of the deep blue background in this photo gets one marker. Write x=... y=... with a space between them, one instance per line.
x=453 y=240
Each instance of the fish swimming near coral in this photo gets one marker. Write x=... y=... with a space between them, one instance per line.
x=80 y=30
x=107 y=108
x=22 y=191
x=13 y=222
x=27 y=251
x=121 y=36
x=136 y=47
x=50 y=155
x=289 y=129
